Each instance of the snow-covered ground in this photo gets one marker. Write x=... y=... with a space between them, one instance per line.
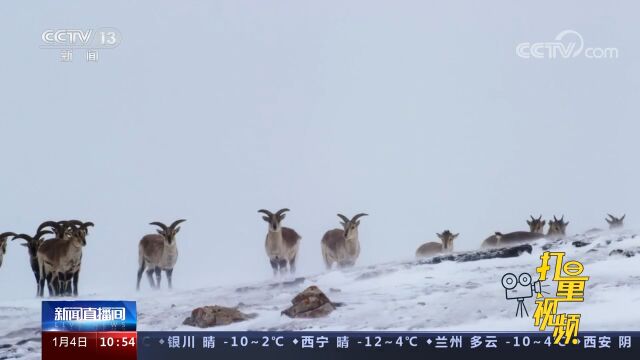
x=391 y=296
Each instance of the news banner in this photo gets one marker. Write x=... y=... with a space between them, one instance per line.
x=107 y=330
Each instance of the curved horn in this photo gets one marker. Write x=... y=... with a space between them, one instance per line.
x=554 y=218
x=87 y=224
x=344 y=218
x=267 y=212
x=532 y=218
x=281 y=211
x=355 y=218
x=7 y=234
x=176 y=223
x=23 y=237
x=611 y=216
x=41 y=233
x=159 y=224
x=540 y=217
x=55 y=225
x=623 y=216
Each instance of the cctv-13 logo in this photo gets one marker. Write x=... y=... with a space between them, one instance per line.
x=569 y=288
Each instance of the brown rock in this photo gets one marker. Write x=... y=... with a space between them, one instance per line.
x=311 y=303
x=208 y=316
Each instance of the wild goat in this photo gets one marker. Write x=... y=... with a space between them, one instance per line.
x=59 y=259
x=536 y=225
x=614 y=222
x=557 y=229
x=33 y=244
x=432 y=248
x=342 y=246
x=281 y=243
x=69 y=279
x=158 y=252
x=3 y=244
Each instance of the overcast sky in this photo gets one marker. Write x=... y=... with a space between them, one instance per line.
x=419 y=113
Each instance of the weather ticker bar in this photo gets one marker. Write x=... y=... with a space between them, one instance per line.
x=370 y=345
x=107 y=330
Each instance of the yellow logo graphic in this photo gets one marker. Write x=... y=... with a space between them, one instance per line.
x=570 y=288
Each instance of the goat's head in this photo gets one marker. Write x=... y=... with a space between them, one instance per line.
x=351 y=226
x=614 y=222
x=3 y=243
x=168 y=232
x=447 y=238
x=536 y=225
x=558 y=226
x=32 y=242
x=274 y=219
x=77 y=230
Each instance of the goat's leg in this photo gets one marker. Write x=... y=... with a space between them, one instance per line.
x=158 y=276
x=68 y=279
x=41 y=278
x=76 y=277
x=37 y=275
x=140 y=271
x=62 y=281
x=150 y=277
x=51 y=284
x=327 y=260
x=69 y=285
x=292 y=265
x=62 y=284
x=169 y=273
x=283 y=266
x=41 y=282
x=274 y=266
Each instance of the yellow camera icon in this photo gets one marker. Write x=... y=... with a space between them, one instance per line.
x=519 y=288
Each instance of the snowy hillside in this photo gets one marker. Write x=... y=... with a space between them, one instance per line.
x=413 y=295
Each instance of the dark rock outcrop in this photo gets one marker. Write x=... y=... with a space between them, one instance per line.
x=209 y=316
x=311 y=303
x=627 y=253
x=580 y=243
x=509 y=252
